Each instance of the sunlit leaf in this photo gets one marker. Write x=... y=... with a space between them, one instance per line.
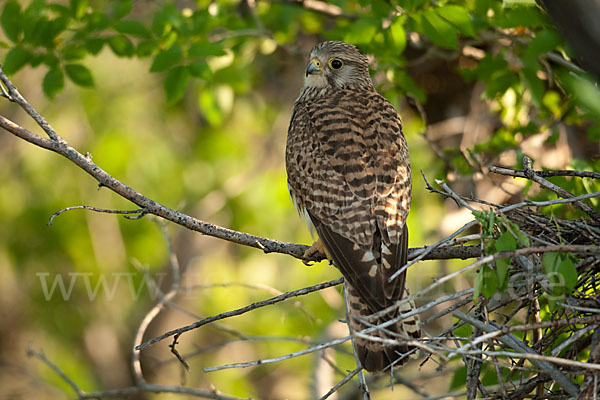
x=145 y=48
x=73 y=52
x=53 y=82
x=502 y=267
x=79 y=74
x=439 y=31
x=132 y=27
x=522 y=16
x=94 y=45
x=175 y=83
x=205 y=49
x=544 y=41
x=569 y=273
x=166 y=59
x=490 y=281
x=121 y=46
x=15 y=59
x=505 y=242
x=457 y=16
x=78 y=7
x=398 y=34
x=121 y=8
x=11 y=20
x=361 y=31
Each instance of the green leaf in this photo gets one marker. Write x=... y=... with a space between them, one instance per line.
x=569 y=273
x=175 y=84
x=439 y=31
x=166 y=59
x=584 y=90
x=94 y=45
x=490 y=281
x=16 y=58
x=200 y=69
x=458 y=379
x=522 y=239
x=121 y=46
x=205 y=49
x=121 y=8
x=407 y=84
x=506 y=241
x=457 y=16
x=53 y=82
x=79 y=74
x=478 y=286
x=544 y=42
x=73 y=52
x=522 y=16
x=502 y=267
x=10 y=19
x=78 y=7
x=550 y=262
x=361 y=31
x=145 y=48
x=398 y=35
x=132 y=27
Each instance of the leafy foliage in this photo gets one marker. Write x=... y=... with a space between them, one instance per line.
x=210 y=139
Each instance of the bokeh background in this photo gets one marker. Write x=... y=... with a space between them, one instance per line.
x=189 y=104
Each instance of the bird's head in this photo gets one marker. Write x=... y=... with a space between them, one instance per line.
x=337 y=65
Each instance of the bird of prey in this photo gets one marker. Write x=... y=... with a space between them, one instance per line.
x=349 y=174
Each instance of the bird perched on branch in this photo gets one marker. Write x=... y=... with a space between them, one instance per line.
x=349 y=174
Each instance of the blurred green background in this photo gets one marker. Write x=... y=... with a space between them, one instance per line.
x=188 y=103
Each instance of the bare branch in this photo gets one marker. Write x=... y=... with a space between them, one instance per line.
x=530 y=173
x=281 y=358
x=517 y=345
x=55 y=368
x=239 y=311
x=545 y=174
x=341 y=383
x=140 y=211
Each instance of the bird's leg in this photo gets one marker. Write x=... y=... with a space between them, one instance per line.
x=317 y=247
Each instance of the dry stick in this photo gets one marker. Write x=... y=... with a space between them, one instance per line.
x=505 y=330
x=530 y=173
x=56 y=368
x=517 y=345
x=149 y=206
x=136 y=365
x=280 y=358
x=545 y=174
x=140 y=212
x=342 y=340
x=126 y=391
x=341 y=383
x=239 y=311
x=152 y=207
x=582 y=249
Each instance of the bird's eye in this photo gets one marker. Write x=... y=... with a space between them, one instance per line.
x=335 y=63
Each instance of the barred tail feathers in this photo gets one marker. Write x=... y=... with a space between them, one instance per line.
x=376 y=356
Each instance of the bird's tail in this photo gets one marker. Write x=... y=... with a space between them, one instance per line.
x=376 y=356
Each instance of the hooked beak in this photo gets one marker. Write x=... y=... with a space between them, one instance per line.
x=313 y=67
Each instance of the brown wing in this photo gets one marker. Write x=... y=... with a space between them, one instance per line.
x=348 y=169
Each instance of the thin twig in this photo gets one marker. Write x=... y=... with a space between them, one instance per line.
x=239 y=311
x=38 y=354
x=341 y=383
x=280 y=358
x=517 y=345
x=125 y=213
x=530 y=173
x=544 y=174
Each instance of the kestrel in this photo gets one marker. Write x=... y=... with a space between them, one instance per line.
x=349 y=174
